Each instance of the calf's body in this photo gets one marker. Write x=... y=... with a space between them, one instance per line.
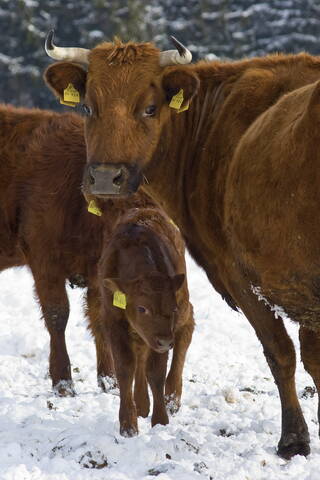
x=144 y=260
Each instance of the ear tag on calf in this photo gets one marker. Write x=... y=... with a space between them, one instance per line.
x=93 y=208
x=71 y=94
x=69 y=104
x=177 y=100
x=119 y=300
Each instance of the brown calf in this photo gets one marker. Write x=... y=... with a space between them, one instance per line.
x=179 y=126
x=143 y=262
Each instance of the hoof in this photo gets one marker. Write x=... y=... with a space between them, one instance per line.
x=107 y=384
x=129 y=432
x=77 y=280
x=172 y=403
x=64 y=388
x=292 y=446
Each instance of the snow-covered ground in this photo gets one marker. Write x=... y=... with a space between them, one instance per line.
x=227 y=428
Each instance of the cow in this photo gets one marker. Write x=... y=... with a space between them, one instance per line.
x=173 y=128
x=145 y=311
x=47 y=225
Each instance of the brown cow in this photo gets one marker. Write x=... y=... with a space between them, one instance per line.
x=143 y=262
x=47 y=223
x=186 y=158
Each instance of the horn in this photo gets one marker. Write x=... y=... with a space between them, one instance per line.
x=173 y=57
x=72 y=54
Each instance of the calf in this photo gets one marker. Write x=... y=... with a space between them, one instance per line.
x=146 y=311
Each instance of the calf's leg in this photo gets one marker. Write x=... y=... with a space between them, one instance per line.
x=173 y=389
x=51 y=291
x=105 y=366
x=124 y=362
x=156 y=375
x=141 y=395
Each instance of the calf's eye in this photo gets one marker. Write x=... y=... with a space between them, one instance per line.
x=150 y=111
x=86 y=110
x=141 y=309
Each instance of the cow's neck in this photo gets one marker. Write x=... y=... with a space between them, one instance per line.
x=185 y=177
x=174 y=177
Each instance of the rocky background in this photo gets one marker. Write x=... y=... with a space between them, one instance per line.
x=226 y=28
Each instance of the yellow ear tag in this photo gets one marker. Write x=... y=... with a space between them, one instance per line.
x=93 y=208
x=177 y=100
x=183 y=109
x=119 y=300
x=71 y=95
x=69 y=104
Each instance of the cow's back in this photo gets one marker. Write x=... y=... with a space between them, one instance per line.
x=48 y=193
x=272 y=203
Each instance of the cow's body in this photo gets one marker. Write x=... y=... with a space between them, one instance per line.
x=143 y=257
x=48 y=227
x=187 y=160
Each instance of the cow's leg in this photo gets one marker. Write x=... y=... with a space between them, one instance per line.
x=310 y=355
x=51 y=291
x=173 y=389
x=105 y=366
x=124 y=362
x=141 y=395
x=280 y=355
x=156 y=375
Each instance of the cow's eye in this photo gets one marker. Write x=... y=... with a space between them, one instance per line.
x=150 y=111
x=142 y=309
x=86 y=110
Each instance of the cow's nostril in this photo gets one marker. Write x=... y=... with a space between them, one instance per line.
x=118 y=180
x=91 y=179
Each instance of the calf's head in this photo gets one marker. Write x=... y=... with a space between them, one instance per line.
x=125 y=90
x=151 y=307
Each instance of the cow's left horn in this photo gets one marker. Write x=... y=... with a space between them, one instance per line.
x=173 y=57
x=71 y=54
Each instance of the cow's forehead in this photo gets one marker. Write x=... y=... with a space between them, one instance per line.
x=123 y=60
x=122 y=71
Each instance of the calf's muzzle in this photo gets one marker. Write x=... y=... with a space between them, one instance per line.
x=111 y=179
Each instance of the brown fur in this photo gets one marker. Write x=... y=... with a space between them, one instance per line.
x=50 y=230
x=186 y=159
x=144 y=258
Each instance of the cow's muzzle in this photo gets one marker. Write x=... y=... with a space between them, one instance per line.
x=111 y=179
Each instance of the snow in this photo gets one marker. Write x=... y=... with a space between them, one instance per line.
x=227 y=428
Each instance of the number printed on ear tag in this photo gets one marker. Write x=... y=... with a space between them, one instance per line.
x=71 y=94
x=177 y=100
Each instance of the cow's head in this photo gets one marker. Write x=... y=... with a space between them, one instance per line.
x=125 y=89
x=151 y=306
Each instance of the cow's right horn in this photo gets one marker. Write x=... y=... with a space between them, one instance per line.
x=71 y=54
x=173 y=57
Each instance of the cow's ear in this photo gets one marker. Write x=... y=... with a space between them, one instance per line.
x=180 y=84
x=60 y=75
x=178 y=281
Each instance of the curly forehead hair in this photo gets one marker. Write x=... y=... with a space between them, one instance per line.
x=119 y=53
